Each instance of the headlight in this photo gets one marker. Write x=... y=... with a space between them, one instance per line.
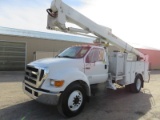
x=56 y=83
x=46 y=71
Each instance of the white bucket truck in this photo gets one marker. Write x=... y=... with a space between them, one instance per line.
x=66 y=80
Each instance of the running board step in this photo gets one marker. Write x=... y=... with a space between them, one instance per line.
x=111 y=85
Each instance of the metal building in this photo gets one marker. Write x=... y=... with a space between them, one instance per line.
x=154 y=57
x=18 y=47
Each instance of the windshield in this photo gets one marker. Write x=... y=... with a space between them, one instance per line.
x=74 y=52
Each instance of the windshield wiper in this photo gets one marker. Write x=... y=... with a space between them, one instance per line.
x=65 y=56
x=58 y=56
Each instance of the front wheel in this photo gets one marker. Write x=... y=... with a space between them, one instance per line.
x=72 y=100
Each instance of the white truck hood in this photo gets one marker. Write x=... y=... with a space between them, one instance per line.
x=57 y=62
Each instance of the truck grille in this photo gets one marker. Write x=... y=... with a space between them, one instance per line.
x=33 y=76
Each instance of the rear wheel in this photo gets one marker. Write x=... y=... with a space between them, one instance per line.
x=137 y=85
x=72 y=100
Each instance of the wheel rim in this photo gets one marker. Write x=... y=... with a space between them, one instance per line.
x=75 y=100
x=138 y=84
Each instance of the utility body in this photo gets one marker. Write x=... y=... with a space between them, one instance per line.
x=66 y=79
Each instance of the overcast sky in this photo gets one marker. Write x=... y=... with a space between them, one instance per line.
x=134 y=21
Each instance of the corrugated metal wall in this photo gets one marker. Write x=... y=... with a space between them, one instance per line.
x=32 y=45
x=12 y=56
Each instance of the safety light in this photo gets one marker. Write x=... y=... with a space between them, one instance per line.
x=56 y=83
x=59 y=83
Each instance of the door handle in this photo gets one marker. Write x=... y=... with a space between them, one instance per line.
x=87 y=68
x=105 y=66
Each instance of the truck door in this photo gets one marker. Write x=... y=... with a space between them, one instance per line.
x=96 y=67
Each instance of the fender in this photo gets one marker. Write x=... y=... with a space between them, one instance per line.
x=140 y=74
x=69 y=76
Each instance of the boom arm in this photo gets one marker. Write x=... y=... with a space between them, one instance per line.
x=60 y=13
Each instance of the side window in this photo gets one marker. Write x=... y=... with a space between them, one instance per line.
x=89 y=58
x=95 y=55
x=101 y=55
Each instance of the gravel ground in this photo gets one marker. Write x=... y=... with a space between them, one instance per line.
x=107 y=104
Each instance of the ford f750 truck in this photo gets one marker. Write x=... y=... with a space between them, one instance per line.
x=66 y=79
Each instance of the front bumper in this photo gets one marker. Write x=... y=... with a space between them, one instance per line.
x=40 y=96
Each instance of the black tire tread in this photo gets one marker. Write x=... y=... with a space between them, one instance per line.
x=133 y=86
x=62 y=105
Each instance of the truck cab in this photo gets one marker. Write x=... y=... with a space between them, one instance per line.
x=83 y=65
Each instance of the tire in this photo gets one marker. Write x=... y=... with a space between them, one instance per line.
x=137 y=85
x=72 y=100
